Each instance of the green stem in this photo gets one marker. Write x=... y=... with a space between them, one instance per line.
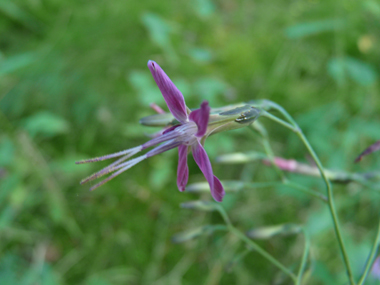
x=291 y=184
x=304 y=257
x=279 y=121
x=371 y=257
x=255 y=246
x=268 y=150
x=295 y=128
x=331 y=204
x=306 y=190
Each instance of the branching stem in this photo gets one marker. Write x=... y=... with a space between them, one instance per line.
x=293 y=126
x=255 y=246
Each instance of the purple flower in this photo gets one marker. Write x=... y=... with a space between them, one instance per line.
x=188 y=134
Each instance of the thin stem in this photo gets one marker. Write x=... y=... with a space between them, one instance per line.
x=255 y=246
x=268 y=150
x=332 y=207
x=306 y=190
x=304 y=257
x=279 y=121
x=295 y=128
x=262 y=184
x=239 y=257
x=371 y=257
x=291 y=184
x=224 y=215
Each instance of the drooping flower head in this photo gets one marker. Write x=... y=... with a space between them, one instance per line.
x=187 y=134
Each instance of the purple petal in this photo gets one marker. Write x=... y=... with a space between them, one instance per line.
x=201 y=158
x=183 y=169
x=218 y=193
x=173 y=97
x=200 y=117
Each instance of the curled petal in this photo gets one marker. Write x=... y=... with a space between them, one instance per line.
x=201 y=158
x=201 y=117
x=173 y=97
x=183 y=169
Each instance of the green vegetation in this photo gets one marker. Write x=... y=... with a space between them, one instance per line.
x=74 y=84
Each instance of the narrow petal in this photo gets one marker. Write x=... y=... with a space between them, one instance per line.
x=218 y=193
x=183 y=169
x=173 y=97
x=201 y=158
x=201 y=117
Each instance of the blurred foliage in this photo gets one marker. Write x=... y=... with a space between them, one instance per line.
x=74 y=83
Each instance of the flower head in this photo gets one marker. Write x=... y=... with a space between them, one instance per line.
x=187 y=134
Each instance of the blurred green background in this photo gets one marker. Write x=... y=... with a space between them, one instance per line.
x=74 y=84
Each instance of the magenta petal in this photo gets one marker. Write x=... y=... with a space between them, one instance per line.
x=218 y=192
x=183 y=169
x=201 y=158
x=173 y=97
x=201 y=117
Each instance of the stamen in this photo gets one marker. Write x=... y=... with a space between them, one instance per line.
x=129 y=164
x=104 y=171
x=130 y=152
x=163 y=147
x=109 y=168
x=163 y=138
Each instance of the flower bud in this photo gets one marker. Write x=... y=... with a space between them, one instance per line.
x=194 y=233
x=221 y=119
x=271 y=231
x=229 y=186
x=200 y=205
x=239 y=157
